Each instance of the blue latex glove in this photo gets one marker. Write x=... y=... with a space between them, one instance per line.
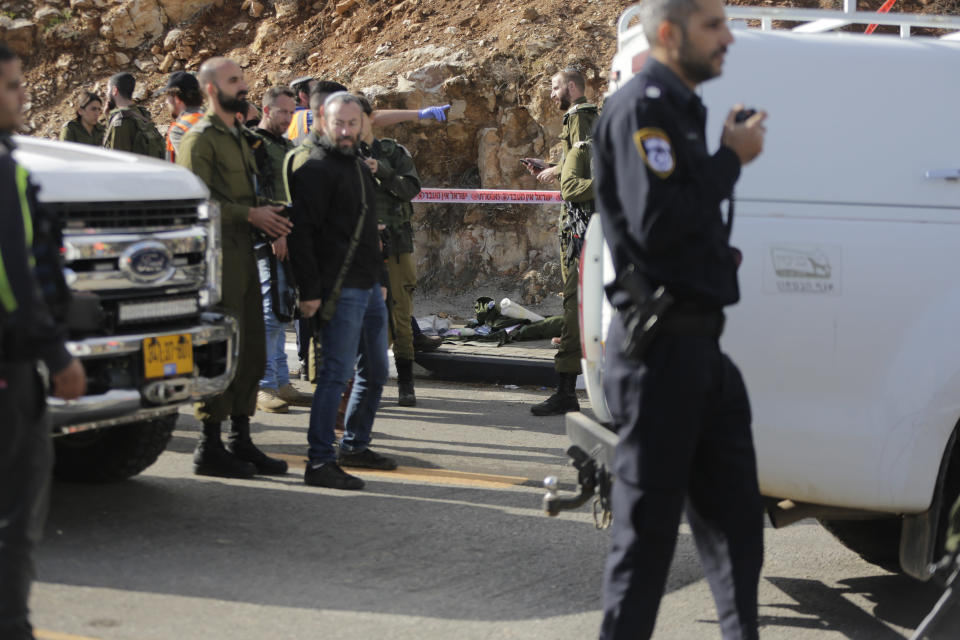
x=437 y=113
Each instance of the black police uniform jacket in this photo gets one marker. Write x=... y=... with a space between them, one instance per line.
x=328 y=191
x=34 y=296
x=659 y=191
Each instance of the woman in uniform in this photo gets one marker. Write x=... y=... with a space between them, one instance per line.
x=85 y=128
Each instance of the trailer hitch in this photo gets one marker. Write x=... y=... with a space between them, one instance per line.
x=592 y=479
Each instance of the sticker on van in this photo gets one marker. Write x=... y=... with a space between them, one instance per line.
x=802 y=269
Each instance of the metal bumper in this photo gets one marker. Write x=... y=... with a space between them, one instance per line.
x=154 y=398
x=593 y=438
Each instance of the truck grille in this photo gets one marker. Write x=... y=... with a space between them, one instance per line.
x=126 y=216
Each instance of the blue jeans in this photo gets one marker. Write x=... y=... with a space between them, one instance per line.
x=276 y=374
x=356 y=336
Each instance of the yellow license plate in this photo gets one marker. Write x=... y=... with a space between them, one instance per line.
x=166 y=356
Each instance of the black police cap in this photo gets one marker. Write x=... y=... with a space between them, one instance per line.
x=182 y=80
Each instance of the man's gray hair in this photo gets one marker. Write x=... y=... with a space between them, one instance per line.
x=653 y=12
x=341 y=97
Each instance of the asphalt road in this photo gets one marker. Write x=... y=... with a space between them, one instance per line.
x=452 y=546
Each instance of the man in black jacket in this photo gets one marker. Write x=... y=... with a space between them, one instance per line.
x=31 y=281
x=337 y=263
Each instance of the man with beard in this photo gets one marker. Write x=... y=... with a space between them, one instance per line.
x=339 y=269
x=32 y=291
x=218 y=153
x=185 y=103
x=129 y=126
x=567 y=91
x=678 y=403
x=276 y=280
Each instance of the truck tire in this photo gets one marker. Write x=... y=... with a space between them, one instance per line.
x=114 y=454
x=876 y=541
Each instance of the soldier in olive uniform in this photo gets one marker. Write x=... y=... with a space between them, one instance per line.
x=129 y=126
x=218 y=153
x=397 y=183
x=567 y=91
x=85 y=128
x=276 y=279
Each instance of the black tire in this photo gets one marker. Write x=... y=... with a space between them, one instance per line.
x=113 y=454
x=876 y=541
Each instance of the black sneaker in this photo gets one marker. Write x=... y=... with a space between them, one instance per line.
x=366 y=459
x=331 y=476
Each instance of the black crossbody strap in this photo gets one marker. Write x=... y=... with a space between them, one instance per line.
x=330 y=304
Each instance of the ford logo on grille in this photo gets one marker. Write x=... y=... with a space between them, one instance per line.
x=147 y=262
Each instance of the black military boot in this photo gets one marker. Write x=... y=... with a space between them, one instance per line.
x=240 y=444
x=562 y=401
x=406 y=396
x=212 y=459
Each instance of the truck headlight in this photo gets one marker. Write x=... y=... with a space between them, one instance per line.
x=210 y=295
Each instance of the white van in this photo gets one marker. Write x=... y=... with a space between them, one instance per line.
x=848 y=331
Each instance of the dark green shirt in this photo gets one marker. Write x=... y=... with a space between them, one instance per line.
x=74 y=131
x=269 y=158
x=578 y=123
x=122 y=131
x=576 y=178
x=223 y=160
x=397 y=184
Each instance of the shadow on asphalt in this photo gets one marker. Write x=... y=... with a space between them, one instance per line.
x=897 y=599
x=441 y=552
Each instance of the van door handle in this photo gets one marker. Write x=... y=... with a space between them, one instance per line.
x=943 y=174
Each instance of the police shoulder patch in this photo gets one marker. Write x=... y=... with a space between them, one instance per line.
x=654 y=147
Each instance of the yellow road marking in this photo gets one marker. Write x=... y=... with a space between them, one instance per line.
x=56 y=635
x=423 y=474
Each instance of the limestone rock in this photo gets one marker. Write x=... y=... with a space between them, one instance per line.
x=132 y=22
x=172 y=39
x=179 y=10
x=21 y=36
x=536 y=285
x=286 y=8
x=77 y=5
x=167 y=63
x=267 y=34
x=45 y=16
x=536 y=47
x=146 y=66
x=257 y=9
x=429 y=77
x=345 y=6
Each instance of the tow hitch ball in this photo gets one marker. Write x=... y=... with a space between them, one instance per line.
x=592 y=481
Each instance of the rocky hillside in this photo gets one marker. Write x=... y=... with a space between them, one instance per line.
x=491 y=59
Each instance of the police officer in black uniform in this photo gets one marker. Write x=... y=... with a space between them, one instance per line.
x=678 y=403
x=31 y=290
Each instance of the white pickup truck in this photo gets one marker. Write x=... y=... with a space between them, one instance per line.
x=848 y=331
x=142 y=254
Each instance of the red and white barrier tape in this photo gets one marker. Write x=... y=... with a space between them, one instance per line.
x=488 y=196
